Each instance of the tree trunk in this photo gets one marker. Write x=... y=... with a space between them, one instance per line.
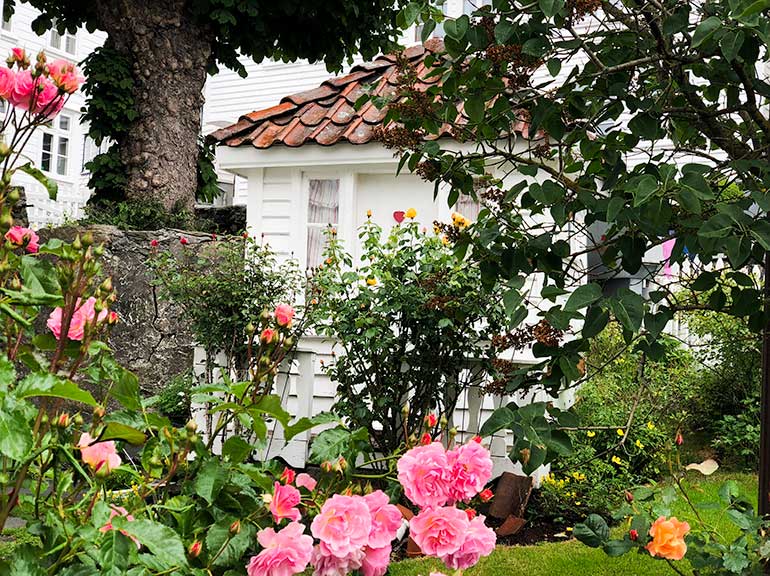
x=170 y=51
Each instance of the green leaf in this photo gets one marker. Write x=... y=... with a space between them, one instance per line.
x=474 y=108
x=410 y=13
x=615 y=548
x=26 y=562
x=114 y=553
x=551 y=7
x=304 y=424
x=594 y=532
x=236 y=449
x=554 y=66
x=330 y=444
x=731 y=43
x=119 y=431
x=15 y=435
x=596 y=319
x=761 y=231
x=501 y=419
x=628 y=307
x=48 y=385
x=161 y=540
x=39 y=283
x=560 y=443
x=706 y=30
x=272 y=406
x=754 y=8
x=211 y=477
x=232 y=548
x=126 y=389
x=615 y=205
x=583 y=296
x=645 y=188
x=503 y=31
x=50 y=185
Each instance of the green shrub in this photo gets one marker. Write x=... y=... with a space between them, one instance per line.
x=173 y=401
x=736 y=437
x=143 y=215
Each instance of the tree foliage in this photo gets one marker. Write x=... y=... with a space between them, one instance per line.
x=598 y=131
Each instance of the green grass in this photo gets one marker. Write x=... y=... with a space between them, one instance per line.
x=574 y=559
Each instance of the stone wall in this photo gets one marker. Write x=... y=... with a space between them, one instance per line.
x=151 y=339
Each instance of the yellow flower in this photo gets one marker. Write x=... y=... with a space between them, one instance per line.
x=650 y=426
x=620 y=432
x=639 y=445
x=578 y=502
x=590 y=433
x=371 y=281
x=444 y=240
x=411 y=213
x=368 y=213
x=617 y=460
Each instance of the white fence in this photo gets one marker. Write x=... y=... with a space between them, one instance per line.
x=307 y=391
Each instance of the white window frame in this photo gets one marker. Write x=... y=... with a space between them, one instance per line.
x=62 y=40
x=54 y=130
x=345 y=213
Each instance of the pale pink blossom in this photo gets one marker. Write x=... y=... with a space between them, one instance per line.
x=471 y=469
x=375 y=561
x=327 y=564
x=84 y=314
x=283 y=503
x=7 y=81
x=65 y=75
x=439 y=532
x=48 y=99
x=479 y=541
x=120 y=511
x=284 y=315
x=425 y=474
x=306 y=481
x=343 y=524
x=100 y=456
x=21 y=236
x=386 y=519
x=284 y=553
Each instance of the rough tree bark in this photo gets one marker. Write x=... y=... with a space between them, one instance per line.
x=170 y=51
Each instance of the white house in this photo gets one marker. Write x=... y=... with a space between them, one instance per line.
x=61 y=149
x=312 y=160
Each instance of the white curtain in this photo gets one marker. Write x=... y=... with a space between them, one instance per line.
x=322 y=211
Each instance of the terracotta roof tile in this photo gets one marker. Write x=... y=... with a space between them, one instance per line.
x=326 y=115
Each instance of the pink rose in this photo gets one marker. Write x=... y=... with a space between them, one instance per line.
x=439 y=532
x=375 y=561
x=471 y=469
x=425 y=474
x=343 y=524
x=48 y=99
x=101 y=456
x=284 y=314
x=7 y=81
x=19 y=54
x=24 y=87
x=268 y=335
x=306 y=481
x=20 y=236
x=120 y=511
x=65 y=75
x=285 y=498
x=479 y=541
x=288 y=476
x=84 y=314
x=386 y=519
x=327 y=564
x=284 y=553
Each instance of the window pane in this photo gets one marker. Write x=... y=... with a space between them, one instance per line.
x=47 y=142
x=55 y=39
x=323 y=202
x=7 y=25
x=70 y=43
x=63 y=146
x=61 y=160
x=2 y=107
x=316 y=241
x=64 y=122
x=61 y=165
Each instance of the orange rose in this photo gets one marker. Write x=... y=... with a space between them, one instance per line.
x=668 y=538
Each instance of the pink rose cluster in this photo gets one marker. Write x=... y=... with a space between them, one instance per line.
x=353 y=533
x=41 y=89
x=435 y=479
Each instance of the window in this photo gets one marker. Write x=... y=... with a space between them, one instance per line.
x=3 y=107
x=6 y=24
x=55 y=151
x=65 y=42
x=322 y=211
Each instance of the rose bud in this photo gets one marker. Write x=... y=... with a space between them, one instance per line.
x=195 y=549
x=486 y=495
x=679 y=439
x=235 y=528
x=629 y=497
x=634 y=535
x=426 y=439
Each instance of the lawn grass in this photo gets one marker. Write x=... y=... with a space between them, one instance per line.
x=572 y=558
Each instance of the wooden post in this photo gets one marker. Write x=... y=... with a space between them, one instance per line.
x=764 y=435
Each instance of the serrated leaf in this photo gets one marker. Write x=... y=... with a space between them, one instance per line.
x=161 y=540
x=502 y=418
x=594 y=532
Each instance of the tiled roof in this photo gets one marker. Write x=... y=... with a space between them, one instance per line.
x=326 y=115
